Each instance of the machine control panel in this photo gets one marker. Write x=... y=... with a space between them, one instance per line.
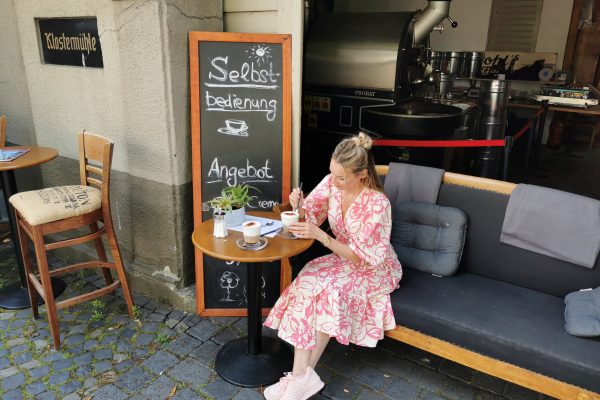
x=317 y=103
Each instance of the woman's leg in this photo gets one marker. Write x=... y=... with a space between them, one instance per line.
x=308 y=358
x=322 y=340
x=301 y=359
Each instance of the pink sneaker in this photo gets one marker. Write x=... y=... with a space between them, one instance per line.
x=276 y=390
x=304 y=387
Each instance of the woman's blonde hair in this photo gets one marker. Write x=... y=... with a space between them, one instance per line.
x=353 y=153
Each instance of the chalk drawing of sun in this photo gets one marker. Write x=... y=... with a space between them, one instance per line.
x=260 y=53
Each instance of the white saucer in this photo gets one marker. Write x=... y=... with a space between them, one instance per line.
x=262 y=242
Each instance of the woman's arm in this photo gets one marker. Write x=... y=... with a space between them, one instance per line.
x=315 y=206
x=308 y=230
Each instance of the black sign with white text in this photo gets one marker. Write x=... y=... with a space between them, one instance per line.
x=71 y=41
x=241 y=134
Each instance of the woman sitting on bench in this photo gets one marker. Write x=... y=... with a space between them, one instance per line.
x=345 y=294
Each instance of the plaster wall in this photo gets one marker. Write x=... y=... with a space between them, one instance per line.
x=127 y=100
x=14 y=101
x=140 y=100
x=554 y=28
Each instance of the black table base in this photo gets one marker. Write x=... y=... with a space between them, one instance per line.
x=236 y=366
x=15 y=297
x=254 y=360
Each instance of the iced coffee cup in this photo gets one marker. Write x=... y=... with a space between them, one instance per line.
x=288 y=218
x=251 y=232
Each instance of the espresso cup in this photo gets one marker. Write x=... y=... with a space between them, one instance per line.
x=288 y=218
x=251 y=231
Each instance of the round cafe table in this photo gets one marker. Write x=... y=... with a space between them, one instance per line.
x=16 y=296
x=254 y=360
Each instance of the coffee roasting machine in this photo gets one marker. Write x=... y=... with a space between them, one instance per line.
x=370 y=72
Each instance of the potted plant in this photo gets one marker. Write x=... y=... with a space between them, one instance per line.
x=232 y=201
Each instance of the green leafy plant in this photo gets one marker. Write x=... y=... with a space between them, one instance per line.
x=97 y=315
x=97 y=304
x=136 y=312
x=97 y=307
x=233 y=197
x=163 y=338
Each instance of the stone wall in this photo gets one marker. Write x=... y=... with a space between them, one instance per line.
x=140 y=100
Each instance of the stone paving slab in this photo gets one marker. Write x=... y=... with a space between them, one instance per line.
x=169 y=354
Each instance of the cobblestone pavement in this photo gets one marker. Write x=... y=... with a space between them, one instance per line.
x=168 y=354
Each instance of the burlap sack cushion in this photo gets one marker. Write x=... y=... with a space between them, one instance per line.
x=56 y=203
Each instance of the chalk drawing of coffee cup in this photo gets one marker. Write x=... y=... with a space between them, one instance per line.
x=235 y=127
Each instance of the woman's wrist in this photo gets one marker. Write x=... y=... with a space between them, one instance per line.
x=325 y=239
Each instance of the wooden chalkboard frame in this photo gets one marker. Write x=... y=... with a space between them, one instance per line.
x=195 y=38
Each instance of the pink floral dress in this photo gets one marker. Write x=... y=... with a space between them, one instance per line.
x=332 y=295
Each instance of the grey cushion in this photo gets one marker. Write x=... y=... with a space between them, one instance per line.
x=428 y=237
x=582 y=313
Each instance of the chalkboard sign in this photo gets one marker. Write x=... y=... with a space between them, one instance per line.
x=241 y=133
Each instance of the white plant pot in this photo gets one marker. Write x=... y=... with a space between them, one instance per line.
x=235 y=217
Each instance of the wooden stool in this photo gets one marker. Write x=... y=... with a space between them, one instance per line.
x=63 y=208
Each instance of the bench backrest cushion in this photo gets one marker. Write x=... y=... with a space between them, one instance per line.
x=429 y=237
x=485 y=255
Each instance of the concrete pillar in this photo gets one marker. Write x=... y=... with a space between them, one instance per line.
x=140 y=99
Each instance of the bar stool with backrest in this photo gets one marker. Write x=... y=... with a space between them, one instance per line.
x=63 y=208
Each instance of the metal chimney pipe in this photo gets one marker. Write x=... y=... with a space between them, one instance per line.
x=430 y=17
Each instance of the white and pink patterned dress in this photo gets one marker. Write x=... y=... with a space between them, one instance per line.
x=332 y=295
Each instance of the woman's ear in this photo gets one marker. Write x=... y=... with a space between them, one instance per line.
x=363 y=174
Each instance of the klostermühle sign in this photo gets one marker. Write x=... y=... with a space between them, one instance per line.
x=71 y=41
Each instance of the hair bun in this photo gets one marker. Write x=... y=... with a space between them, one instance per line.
x=363 y=140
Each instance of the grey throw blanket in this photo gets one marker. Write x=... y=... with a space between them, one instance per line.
x=558 y=224
x=405 y=182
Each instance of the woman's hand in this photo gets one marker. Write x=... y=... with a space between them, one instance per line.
x=296 y=198
x=306 y=230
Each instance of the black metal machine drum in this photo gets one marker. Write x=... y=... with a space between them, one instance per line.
x=493 y=115
x=351 y=61
x=355 y=51
x=354 y=61
x=412 y=120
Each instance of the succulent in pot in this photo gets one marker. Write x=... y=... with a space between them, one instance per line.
x=232 y=201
